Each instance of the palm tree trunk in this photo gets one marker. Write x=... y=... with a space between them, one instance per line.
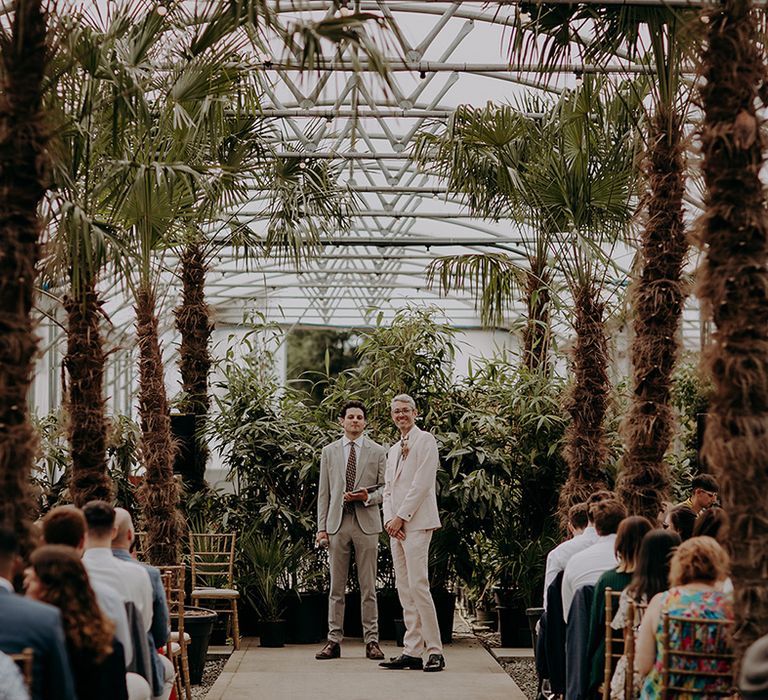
x=657 y=300
x=194 y=323
x=734 y=288
x=23 y=178
x=159 y=493
x=87 y=428
x=536 y=335
x=585 y=449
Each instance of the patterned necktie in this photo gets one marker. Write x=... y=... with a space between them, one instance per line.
x=404 y=449
x=351 y=474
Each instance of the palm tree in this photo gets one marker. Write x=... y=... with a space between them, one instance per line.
x=732 y=287
x=24 y=176
x=573 y=183
x=663 y=39
x=474 y=155
x=97 y=97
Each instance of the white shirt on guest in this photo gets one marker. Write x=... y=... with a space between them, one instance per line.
x=585 y=567
x=128 y=579
x=561 y=555
x=112 y=604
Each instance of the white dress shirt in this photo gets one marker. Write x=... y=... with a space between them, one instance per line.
x=130 y=580
x=561 y=555
x=5 y=583
x=358 y=443
x=112 y=604
x=585 y=567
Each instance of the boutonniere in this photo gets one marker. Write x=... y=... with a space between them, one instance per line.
x=404 y=449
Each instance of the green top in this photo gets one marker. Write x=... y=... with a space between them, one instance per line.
x=616 y=581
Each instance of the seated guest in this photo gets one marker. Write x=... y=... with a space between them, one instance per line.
x=585 y=567
x=698 y=569
x=713 y=522
x=28 y=623
x=162 y=668
x=681 y=520
x=651 y=576
x=128 y=579
x=65 y=525
x=582 y=534
x=628 y=538
x=704 y=490
x=12 y=686
x=96 y=657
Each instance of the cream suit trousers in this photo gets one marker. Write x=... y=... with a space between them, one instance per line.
x=366 y=547
x=411 y=559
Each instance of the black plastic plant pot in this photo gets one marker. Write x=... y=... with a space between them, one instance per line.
x=198 y=624
x=272 y=633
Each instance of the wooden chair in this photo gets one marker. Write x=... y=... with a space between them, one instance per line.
x=25 y=661
x=614 y=646
x=709 y=659
x=212 y=562
x=176 y=649
x=635 y=613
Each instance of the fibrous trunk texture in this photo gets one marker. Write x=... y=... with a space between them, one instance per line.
x=734 y=290
x=537 y=331
x=87 y=427
x=657 y=302
x=23 y=177
x=585 y=449
x=193 y=320
x=159 y=493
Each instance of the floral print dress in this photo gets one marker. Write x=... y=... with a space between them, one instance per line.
x=681 y=602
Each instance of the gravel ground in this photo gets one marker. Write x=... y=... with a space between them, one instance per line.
x=213 y=668
x=523 y=672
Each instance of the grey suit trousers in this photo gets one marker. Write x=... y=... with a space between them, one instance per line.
x=340 y=546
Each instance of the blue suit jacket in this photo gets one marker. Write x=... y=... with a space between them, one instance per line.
x=28 y=623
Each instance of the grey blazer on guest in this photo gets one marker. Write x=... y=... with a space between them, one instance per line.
x=371 y=464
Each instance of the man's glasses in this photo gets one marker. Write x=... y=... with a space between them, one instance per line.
x=400 y=411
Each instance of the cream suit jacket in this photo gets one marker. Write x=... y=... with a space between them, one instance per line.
x=333 y=483
x=409 y=484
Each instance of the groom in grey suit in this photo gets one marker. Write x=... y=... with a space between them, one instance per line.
x=348 y=517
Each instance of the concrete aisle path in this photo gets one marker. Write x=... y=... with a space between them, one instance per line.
x=293 y=673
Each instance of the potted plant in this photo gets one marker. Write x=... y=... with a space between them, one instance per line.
x=270 y=558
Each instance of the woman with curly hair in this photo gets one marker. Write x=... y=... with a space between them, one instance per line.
x=698 y=569
x=57 y=577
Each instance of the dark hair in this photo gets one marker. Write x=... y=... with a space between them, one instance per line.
x=9 y=543
x=607 y=515
x=64 y=525
x=352 y=404
x=712 y=522
x=100 y=517
x=683 y=519
x=598 y=497
x=578 y=516
x=629 y=536
x=706 y=482
x=65 y=585
x=651 y=574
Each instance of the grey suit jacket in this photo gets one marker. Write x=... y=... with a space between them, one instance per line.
x=371 y=464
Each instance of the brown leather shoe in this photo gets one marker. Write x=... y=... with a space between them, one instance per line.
x=372 y=651
x=332 y=650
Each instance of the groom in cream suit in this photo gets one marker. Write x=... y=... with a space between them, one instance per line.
x=410 y=517
x=348 y=516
